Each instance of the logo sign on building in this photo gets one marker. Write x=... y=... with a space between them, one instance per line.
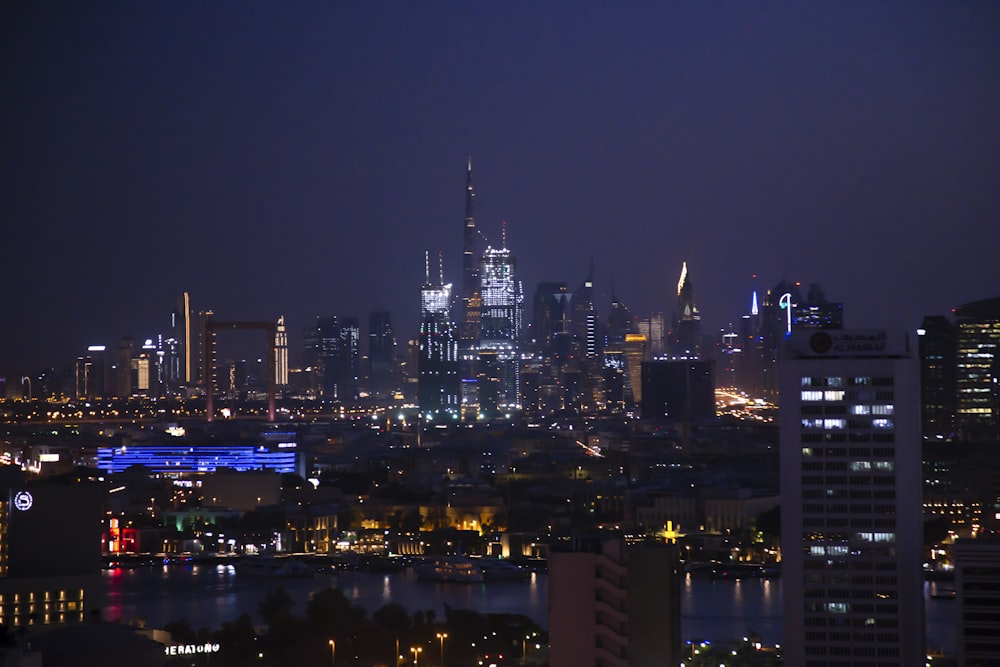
x=23 y=501
x=847 y=343
x=190 y=649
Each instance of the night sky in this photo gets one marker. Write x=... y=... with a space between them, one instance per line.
x=298 y=158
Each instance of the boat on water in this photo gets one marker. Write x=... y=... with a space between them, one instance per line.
x=458 y=569
x=273 y=567
x=497 y=569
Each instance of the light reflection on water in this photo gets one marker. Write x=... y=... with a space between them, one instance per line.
x=208 y=596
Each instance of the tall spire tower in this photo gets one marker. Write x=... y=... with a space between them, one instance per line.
x=470 y=306
x=470 y=258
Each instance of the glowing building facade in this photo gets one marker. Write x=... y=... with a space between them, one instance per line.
x=186 y=458
x=501 y=321
x=978 y=369
x=438 y=380
x=281 y=354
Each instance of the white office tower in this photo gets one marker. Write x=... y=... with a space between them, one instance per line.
x=977 y=584
x=851 y=500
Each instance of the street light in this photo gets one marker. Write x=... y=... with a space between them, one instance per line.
x=333 y=652
x=416 y=651
x=442 y=636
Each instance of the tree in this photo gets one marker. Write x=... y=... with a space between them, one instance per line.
x=393 y=618
x=277 y=604
x=237 y=642
x=769 y=522
x=181 y=631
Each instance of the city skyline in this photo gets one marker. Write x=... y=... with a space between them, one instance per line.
x=299 y=162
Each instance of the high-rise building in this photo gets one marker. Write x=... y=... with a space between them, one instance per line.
x=585 y=319
x=50 y=550
x=816 y=312
x=439 y=384
x=653 y=329
x=614 y=381
x=123 y=368
x=502 y=312
x=937 y=342
x=381 y=354
x=184 y=335
x=978 y=369
x=783 y=311
x=687 y=330
x=681 y=390
x=311 y=364
x=587 y=342
x=328 y=349
x=636 y=352
x=612 y=604
x=91 y=373
x=469 y=315
x=619 y=324
x=281 y=354
x=552 y=313
x=977 y=571
x=349 y=359
x=851 y=480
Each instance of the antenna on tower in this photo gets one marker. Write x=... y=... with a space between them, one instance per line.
x=427 y=267
x=441 y=266
x=503 y=234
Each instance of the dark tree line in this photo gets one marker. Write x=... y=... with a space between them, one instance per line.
x=290 y=638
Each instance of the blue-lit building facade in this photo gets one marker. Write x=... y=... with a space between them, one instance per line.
x=186 y=458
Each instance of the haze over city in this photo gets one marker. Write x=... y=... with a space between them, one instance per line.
x=298 y=160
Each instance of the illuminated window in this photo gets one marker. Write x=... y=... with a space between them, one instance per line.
x=812 y=395
x=833 y=395
x=860 y=410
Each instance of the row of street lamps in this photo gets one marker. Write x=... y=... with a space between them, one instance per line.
x=417 y=650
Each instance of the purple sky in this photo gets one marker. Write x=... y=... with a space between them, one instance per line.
x=298 y=158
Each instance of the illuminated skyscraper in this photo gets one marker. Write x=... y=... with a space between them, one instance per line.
x=281 y=354
x=585 y=318
x=183 y=334
x=328 y=344
x=978 y=371
x=652 y=329
x=349 y=359
x=91 y=373
x=503 y=307
x=469 y=316
x=851 y=511
x=587 y=343
x=687 y=338
x=438 y=379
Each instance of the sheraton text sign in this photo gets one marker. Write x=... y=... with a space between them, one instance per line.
x=190 y=649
